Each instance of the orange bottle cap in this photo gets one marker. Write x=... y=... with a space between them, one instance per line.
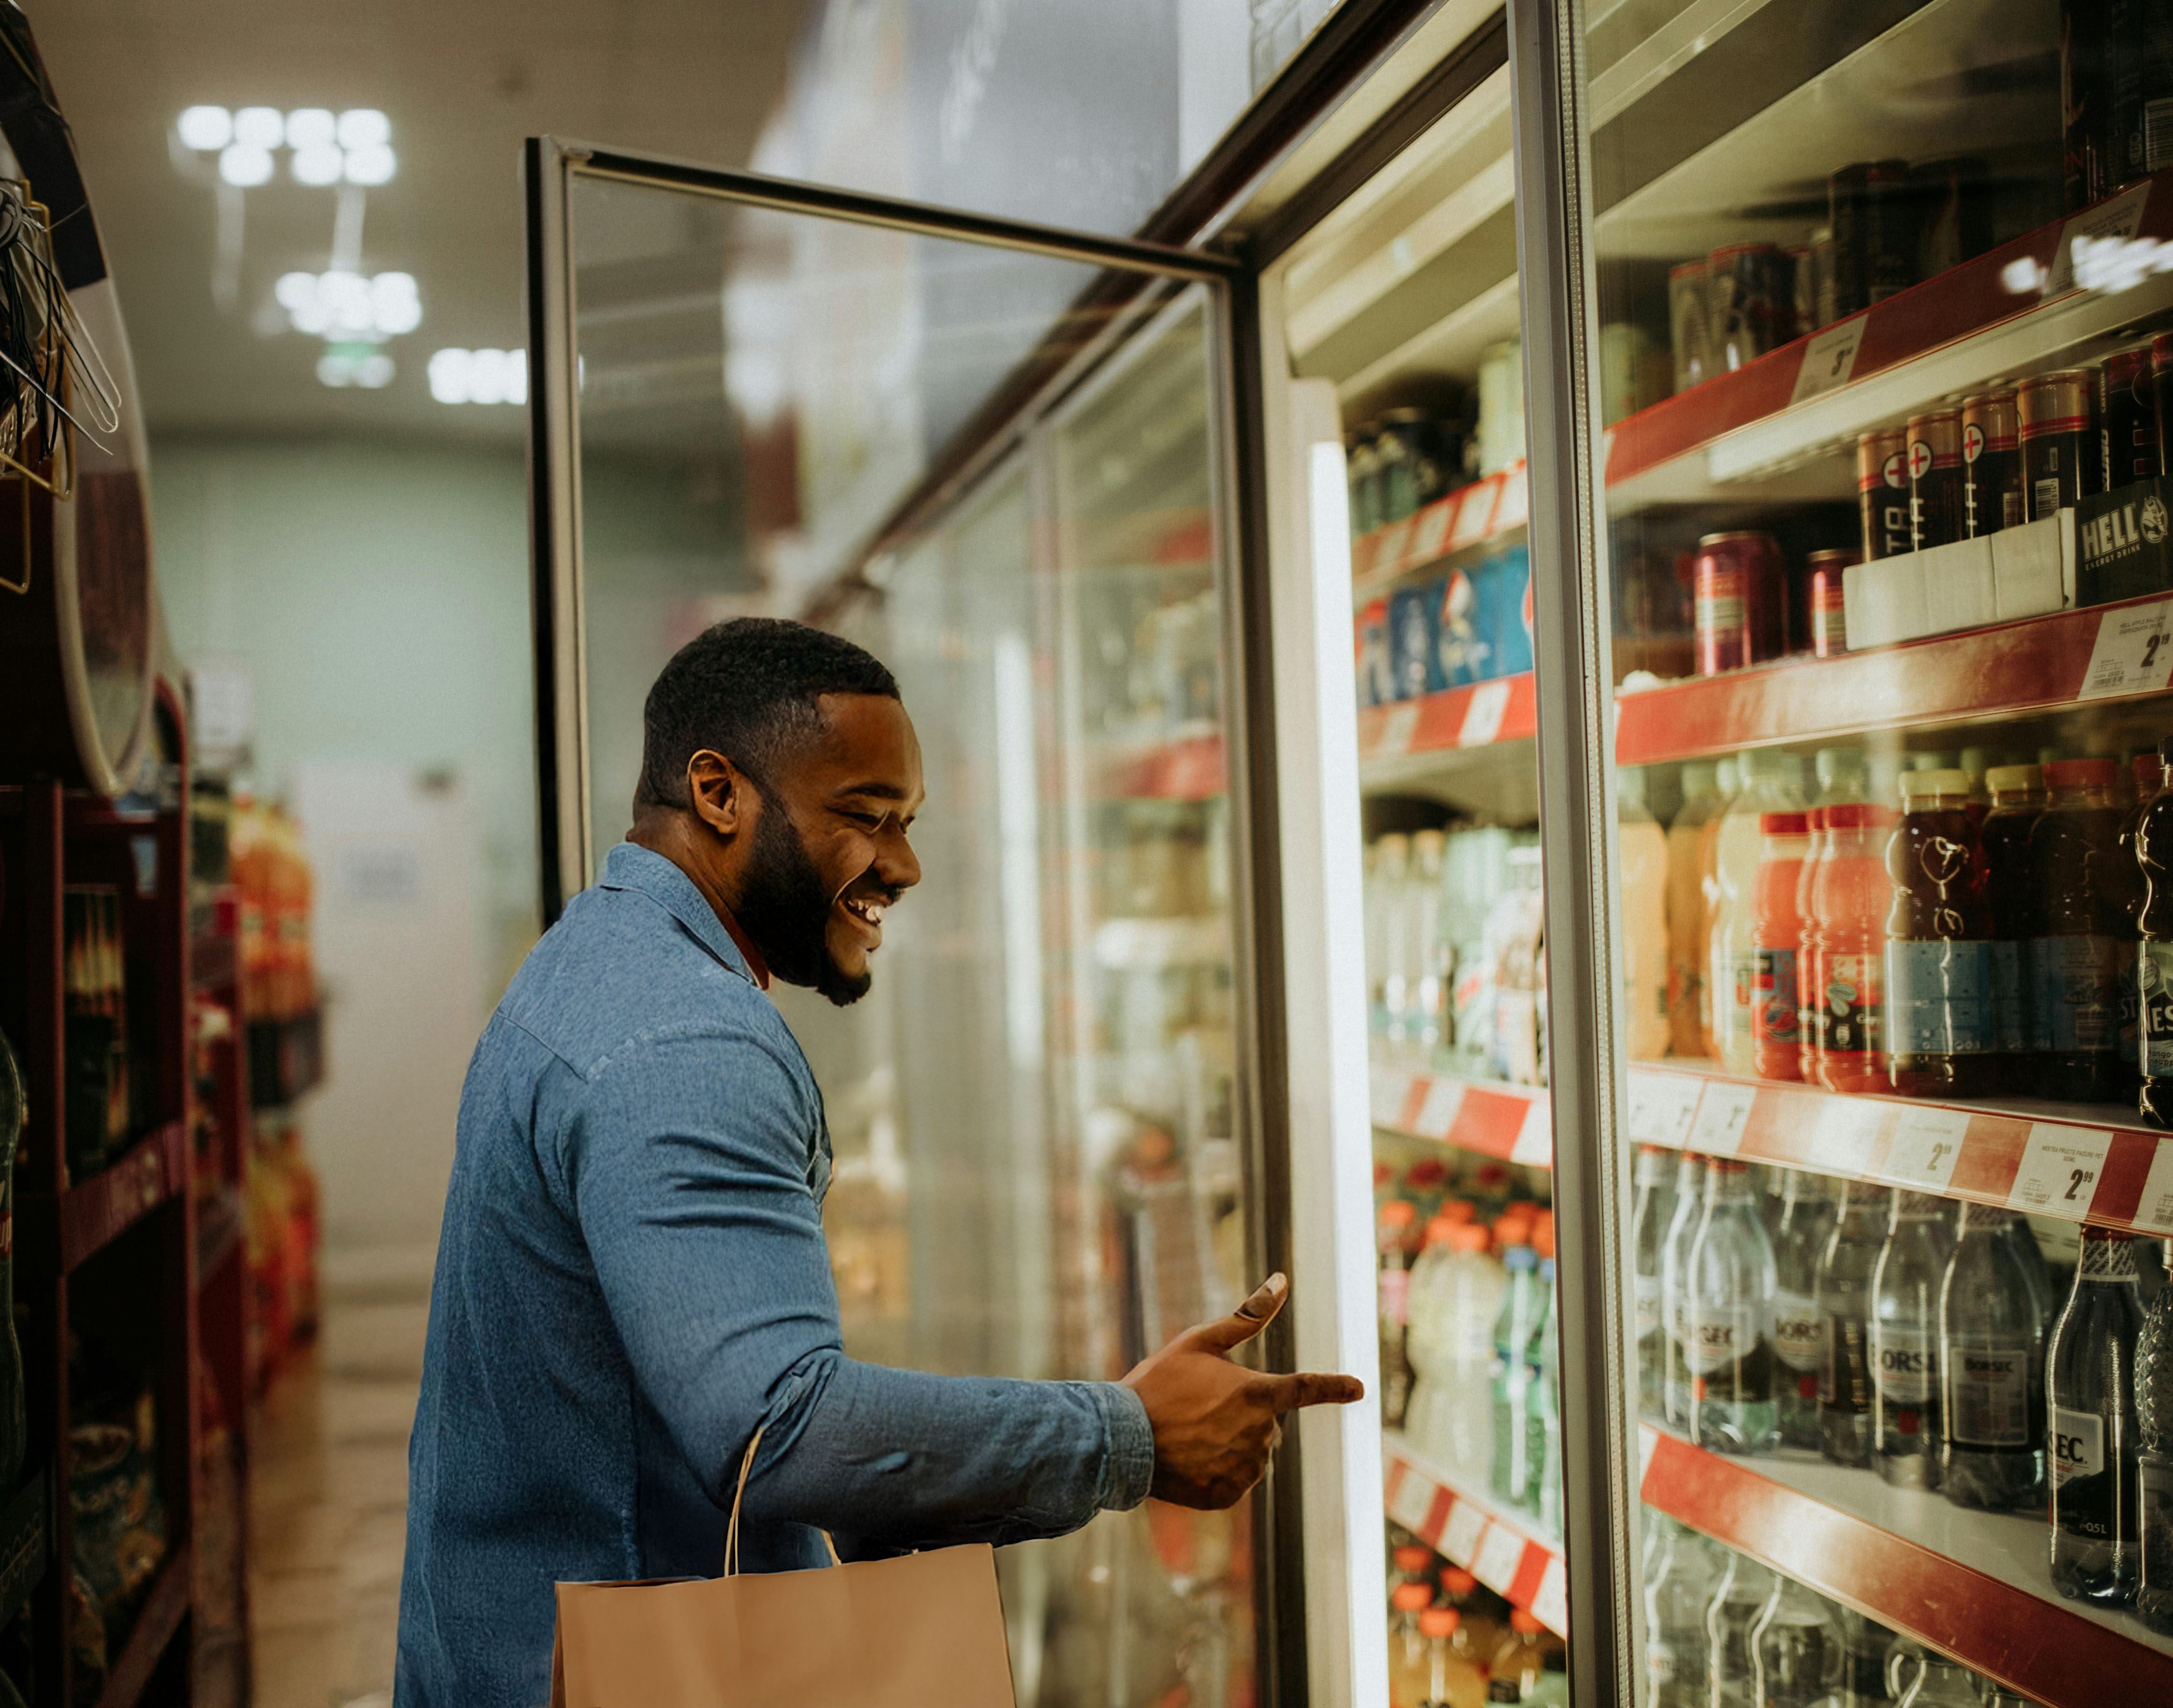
x=1412 y=1557
x=1439 y=1622
x=1410 y=1597
x=1522 y=1621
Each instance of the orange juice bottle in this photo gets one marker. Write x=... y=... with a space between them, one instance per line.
x=1777 y=941
x=1849 y=902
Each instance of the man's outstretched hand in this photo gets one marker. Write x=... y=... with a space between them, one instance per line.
x=1216 y=1422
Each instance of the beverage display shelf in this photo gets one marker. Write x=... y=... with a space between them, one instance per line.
x=219 y=1235
x=1486 y=511
x=286 y=1059
x=25 y=1544
x=1490 y=1117
x=154 y=1628
x=1187 y=768
x=2073 y=1162
x=214 y=963
x=1482 y=715
x=1975 y=1585
x=1124 y=945
x=1504 y=1551
x=65 y=1231
x=1955 y=333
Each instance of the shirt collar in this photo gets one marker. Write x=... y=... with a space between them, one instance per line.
x=630 y=866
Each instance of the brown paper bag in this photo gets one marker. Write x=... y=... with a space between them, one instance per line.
x=925 y=1631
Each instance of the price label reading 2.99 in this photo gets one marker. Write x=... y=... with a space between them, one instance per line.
x=1927 y=1144
x=2061 y=1168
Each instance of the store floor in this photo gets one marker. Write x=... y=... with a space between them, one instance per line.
x=328 y=1490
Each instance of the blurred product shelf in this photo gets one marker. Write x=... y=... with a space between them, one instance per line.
x=1503 y=1550
x=1485 y=1116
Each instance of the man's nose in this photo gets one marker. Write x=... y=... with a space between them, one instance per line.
x=896 y=863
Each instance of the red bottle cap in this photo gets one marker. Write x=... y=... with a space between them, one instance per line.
x=1520 y=1620
x=1439 y=1622
x=1413 y=1556
x=1858 y=814
x=1459 y=1581
x=1410 y=1597
x=1398 y=1213
x=1783 y=823
x=1815 y=819
x=1442 y=1229
x=2081 y=774
x=1469 y=1236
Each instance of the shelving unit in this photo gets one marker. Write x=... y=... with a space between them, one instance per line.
x=1484 y=514
x=1482 y=1116
x=1504 y=1551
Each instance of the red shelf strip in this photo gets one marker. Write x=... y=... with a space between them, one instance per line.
x=1517 y=1566
x=1192 y=768
x=100 y=1207
x=1482 y=512
x=1509 y=1122
x=1480 y=715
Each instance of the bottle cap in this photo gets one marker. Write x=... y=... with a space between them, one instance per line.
x=1520 y=1256
x=1458 y=1209
x=1543 y=1241
x=1858 y=814
x=1441 y=1231
x=2081 y=774
x=2025 y=779
x=1914 y=784
x=1469 y=1236
x=1413 y=1556
x=1523 y=1622
x=1815 y=819
x=1411 y=1597
x=1398 y=1213
x=1782 y=823
x=1437 y=1622
x=1459 y=1581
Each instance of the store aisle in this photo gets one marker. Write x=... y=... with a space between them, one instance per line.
x=328 y=1494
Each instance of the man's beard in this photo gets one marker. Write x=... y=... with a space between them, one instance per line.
x=783 y=899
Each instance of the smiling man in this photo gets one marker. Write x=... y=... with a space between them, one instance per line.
x=632 y=1280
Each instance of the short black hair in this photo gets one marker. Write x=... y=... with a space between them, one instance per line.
x=751 y=690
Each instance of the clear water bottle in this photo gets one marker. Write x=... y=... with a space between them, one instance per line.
x=1797 y=1649
x=1805 y=1224
x=2090 y=1372
x=1510 y=1475
x=1992 y=1441
x=1542 y=1413
x=1904 y=1341
x=2154 y=1419
x=1737 y=1599
x=1653 y=1214
x=1864 y=1679
x=1678 y=1588
x=1844 y=1295
x=1918 y=1679
x=1675 y=1262
x=1729 y=1288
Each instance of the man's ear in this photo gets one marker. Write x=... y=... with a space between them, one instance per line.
x=721 y=795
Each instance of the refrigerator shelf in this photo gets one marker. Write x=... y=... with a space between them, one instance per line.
x=1189 y=767
x=1898 y=1555
x=1430 y=728
x=1485 y=512
x=1487 y=1116
x=1504 y=1551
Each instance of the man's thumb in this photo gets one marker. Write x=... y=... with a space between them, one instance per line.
x=1247 y=1320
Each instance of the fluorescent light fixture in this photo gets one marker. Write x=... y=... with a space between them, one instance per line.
x=372 y=164
x=363 y=128
x=311 y=127
x=319 y=163
x=245 y=164
x=394 y=305
x=343 y=365
x=479 y=376
x=345 y=305
x=260 y=128
x=205 y=129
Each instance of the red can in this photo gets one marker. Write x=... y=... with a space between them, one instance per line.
x=1741 y=590
x=1829 y=608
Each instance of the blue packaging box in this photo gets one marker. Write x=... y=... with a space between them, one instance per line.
x=1461 y=643
x=1509 y=611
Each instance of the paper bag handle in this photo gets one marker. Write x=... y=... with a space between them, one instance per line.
x=739 y=1494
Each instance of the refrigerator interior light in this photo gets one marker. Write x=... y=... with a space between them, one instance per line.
x=479 y=376
x=245 y=165
x=204 y=128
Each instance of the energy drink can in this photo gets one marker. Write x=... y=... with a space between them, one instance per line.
x=2128 y=407
x=1991 y=462
x=1873 y=213
x=2139 y=83
x=1829 y=606
x=2085 y=101
x=1741 y=593
x=1938 y=510
x=1882 y=490
x=2061 y=458
x=1689 y=322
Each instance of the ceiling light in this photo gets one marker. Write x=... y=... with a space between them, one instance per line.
x=479 y=376
x=311 y=127
x=363 y=128
x=370 y=164
x=349 y=364
x=245 y=164
x=260 y=128
x=316 y=164
x=339 y=305
x=205 y=129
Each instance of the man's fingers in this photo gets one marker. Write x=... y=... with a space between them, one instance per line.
x=1245 y=1322
x=1310 y=1388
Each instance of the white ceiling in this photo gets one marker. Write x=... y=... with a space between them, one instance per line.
x=463 y=81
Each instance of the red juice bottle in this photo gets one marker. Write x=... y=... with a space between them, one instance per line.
x=1776 y=940
x=1807 y=1000
x=2018 y=802
x=1850 y=901
x=2084 y=937
x=1938 y=944
x=2153 y=855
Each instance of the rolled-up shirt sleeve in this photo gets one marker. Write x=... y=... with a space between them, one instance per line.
x=685 y=1162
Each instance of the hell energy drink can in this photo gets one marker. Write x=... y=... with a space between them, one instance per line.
x=1937 y=512
x=2129 y=409
x=1873 y=211
x=1991 y=462
x=1829 y=605
x=2061 y=458
x=1882 y=487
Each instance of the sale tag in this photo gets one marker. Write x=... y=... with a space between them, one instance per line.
x=1482 y=716
x=1722 y=1114
x=1459 y=1537
x=1842 y=1140
x=2061 y=1168
x=1830 y=358
x=2134 y=651
x=1438 y=1113
x=1398 y=728
x=1412 y=1506
x=1536 y=1140
x=1429 y=529
x=1662 y=1106
x=1550 y=1600
x=1927 y=1143
x=1500 y=1554
x=2154 y=1213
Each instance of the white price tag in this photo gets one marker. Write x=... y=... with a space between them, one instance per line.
x=1536 y=1140
x=2112 y=222
x=1842 y=1140
x=1662 y=1106
x=1438 y=1113
x=1722 y=1113
x=1429 y=529
x=1830 y=358
x=2134 y=651
x=1482 y=716
x=1550 y=1600
x=1500 y=1554
x=2154 y=1213
x=2061 y=1168
x=1515 y=506
x=1386 y=1089
x=1459 y=1537
x=1398 y=728
x=1413 y=1504
x=1927 y=1143
x=1475 y=516
x=1388 y=553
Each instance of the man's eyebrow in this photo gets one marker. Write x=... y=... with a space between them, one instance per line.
x=879 y=791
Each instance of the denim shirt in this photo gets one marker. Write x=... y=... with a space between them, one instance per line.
x=632 y=1278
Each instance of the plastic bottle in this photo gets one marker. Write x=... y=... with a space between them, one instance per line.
x=1816 y=841
x=1432 y=958
x=2154 y=856
x=1678 y=1589
x=2154 y=1430
x=1864 y=1677
x=1391 y=1228
x=1510 y=1475
x=1542 y=1411
x=1727 y=788
x=1728 y=1292
x=2126 y=880
x=1939 y=1030
x=1675 y=1269
x=1991 y=1413
x=1463 y=1425
x=1653 y=1213
x=1392 y=1001
x=1797 y=1648
x=1777 y=932
x=1772 y=782
x=2085 y=941
x=1515 y=1673
x=1905 y=1342
x=1428 y=1350
x=1440 y=1627
x=1407 y=1601
x=1686 y=921
x=2018 y=802
x=2089 y=1373
x=1643 y=847
x=1850 y=900
x=1808 y=1214
x=1844 y=1297
x=1737 y=1599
